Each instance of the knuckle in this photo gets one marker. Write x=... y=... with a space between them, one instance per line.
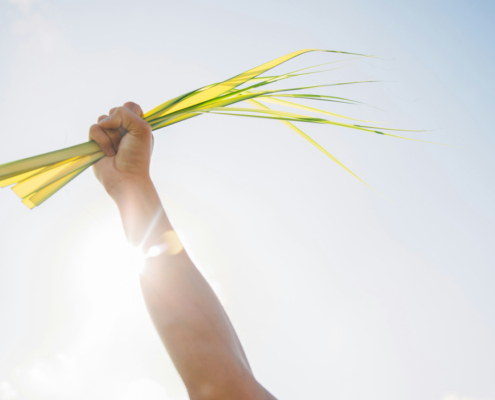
x=135 y=108
x=94 y=128
x=130 y=104
x=116 y=111
x=93 y=131
x=121 y=112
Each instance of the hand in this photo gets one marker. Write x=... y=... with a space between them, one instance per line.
x=127 y=141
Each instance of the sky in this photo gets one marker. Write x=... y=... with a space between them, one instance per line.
x=336 y=291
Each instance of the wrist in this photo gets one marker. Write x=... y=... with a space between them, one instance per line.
x=143 y=216
x=129 y=188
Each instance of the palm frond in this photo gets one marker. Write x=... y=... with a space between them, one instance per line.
x=37 y=178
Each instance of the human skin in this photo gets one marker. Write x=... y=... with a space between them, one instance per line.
x=188 y=316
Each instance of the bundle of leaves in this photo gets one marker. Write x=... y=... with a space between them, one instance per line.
x=38 y=178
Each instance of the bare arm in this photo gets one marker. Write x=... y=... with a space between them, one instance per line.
x=185 y=311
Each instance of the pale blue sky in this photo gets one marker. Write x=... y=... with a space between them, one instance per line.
x=336 y=292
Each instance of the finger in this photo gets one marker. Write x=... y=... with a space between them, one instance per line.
x=121 y=130
x=135 y=108
x=152 y=143
x=125 y=118
x=115 y=136
x=97 y=134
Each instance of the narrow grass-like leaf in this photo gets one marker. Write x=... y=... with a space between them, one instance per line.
x=312 y=109
x=37 y=198
x=39 y=181
x=200 y=96
x=19 y=177
x=286 y=116
x=319 y=97
x=223 y=101
x=28 y=164
x=310 y=140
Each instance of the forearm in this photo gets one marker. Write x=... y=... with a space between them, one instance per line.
x=188 y=316
x=194 y=328
x=141 y=211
